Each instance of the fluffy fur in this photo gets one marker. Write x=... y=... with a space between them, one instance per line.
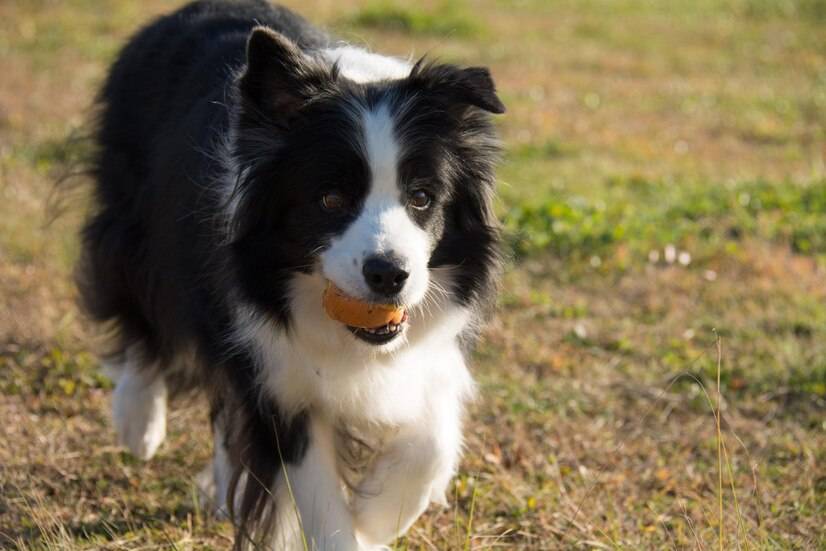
x=245 y=160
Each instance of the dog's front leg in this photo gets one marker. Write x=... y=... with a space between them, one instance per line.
x=311 y=488
x=412 y=470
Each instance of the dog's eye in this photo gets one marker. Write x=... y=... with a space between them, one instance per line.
x=420 y=200
x=333 y=201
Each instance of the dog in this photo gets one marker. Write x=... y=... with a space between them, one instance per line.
x=244 y=162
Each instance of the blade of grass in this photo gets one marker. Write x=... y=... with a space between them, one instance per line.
x=719 y=445
x=469 y=528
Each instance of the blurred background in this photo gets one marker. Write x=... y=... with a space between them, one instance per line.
x=664 y=199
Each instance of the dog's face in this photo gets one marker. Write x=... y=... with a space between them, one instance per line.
x=381 y=188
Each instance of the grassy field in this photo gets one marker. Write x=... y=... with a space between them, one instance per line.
x=664 y=192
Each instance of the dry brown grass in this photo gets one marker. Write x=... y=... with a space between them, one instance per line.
x=592 y=429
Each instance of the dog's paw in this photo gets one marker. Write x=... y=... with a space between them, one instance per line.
x=438 y=496
x=212 y=484
x=208 y=493
x=139 y=413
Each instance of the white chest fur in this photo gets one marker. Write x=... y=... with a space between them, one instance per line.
x=318 y=365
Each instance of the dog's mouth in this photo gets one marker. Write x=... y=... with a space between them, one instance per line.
x=372 y=323
x=380 y=335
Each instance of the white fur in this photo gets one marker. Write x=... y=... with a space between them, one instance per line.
x=320 y=364
x=221 y=472
x=363 y=66
x=213 y=482
x=412 y=470
x=138 y=406
x=311 y=498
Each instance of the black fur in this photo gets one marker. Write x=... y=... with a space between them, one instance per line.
x=162 y=266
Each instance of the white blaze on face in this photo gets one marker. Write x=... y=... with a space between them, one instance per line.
x=383 y=227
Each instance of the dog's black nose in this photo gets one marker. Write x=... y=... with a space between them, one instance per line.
x=384 y=275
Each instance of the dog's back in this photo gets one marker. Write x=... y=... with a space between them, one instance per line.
x=161 y=111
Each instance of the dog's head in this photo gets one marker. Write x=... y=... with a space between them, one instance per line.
x=382 y=187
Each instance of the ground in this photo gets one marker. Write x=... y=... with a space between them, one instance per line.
x=664 y=196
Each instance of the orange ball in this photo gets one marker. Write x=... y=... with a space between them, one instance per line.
x=356 y=313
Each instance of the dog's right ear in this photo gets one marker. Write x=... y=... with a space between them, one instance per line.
x=279 y=77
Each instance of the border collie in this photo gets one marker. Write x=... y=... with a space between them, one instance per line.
x=244 y=161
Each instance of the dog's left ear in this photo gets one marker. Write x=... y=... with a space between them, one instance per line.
x=472 y=86
x=279 y=77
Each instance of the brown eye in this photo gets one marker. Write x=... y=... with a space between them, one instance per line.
x=419 y=200
x=333 y=201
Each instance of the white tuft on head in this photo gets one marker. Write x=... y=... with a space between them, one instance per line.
x=362 y=66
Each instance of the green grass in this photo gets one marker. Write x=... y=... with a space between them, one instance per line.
x=644 y=216
x=449 y=18
x=811 y=10
x=633 y=126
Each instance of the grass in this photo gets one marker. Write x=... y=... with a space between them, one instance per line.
x=712 y=219
x=664 y=192
x=446 y=19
